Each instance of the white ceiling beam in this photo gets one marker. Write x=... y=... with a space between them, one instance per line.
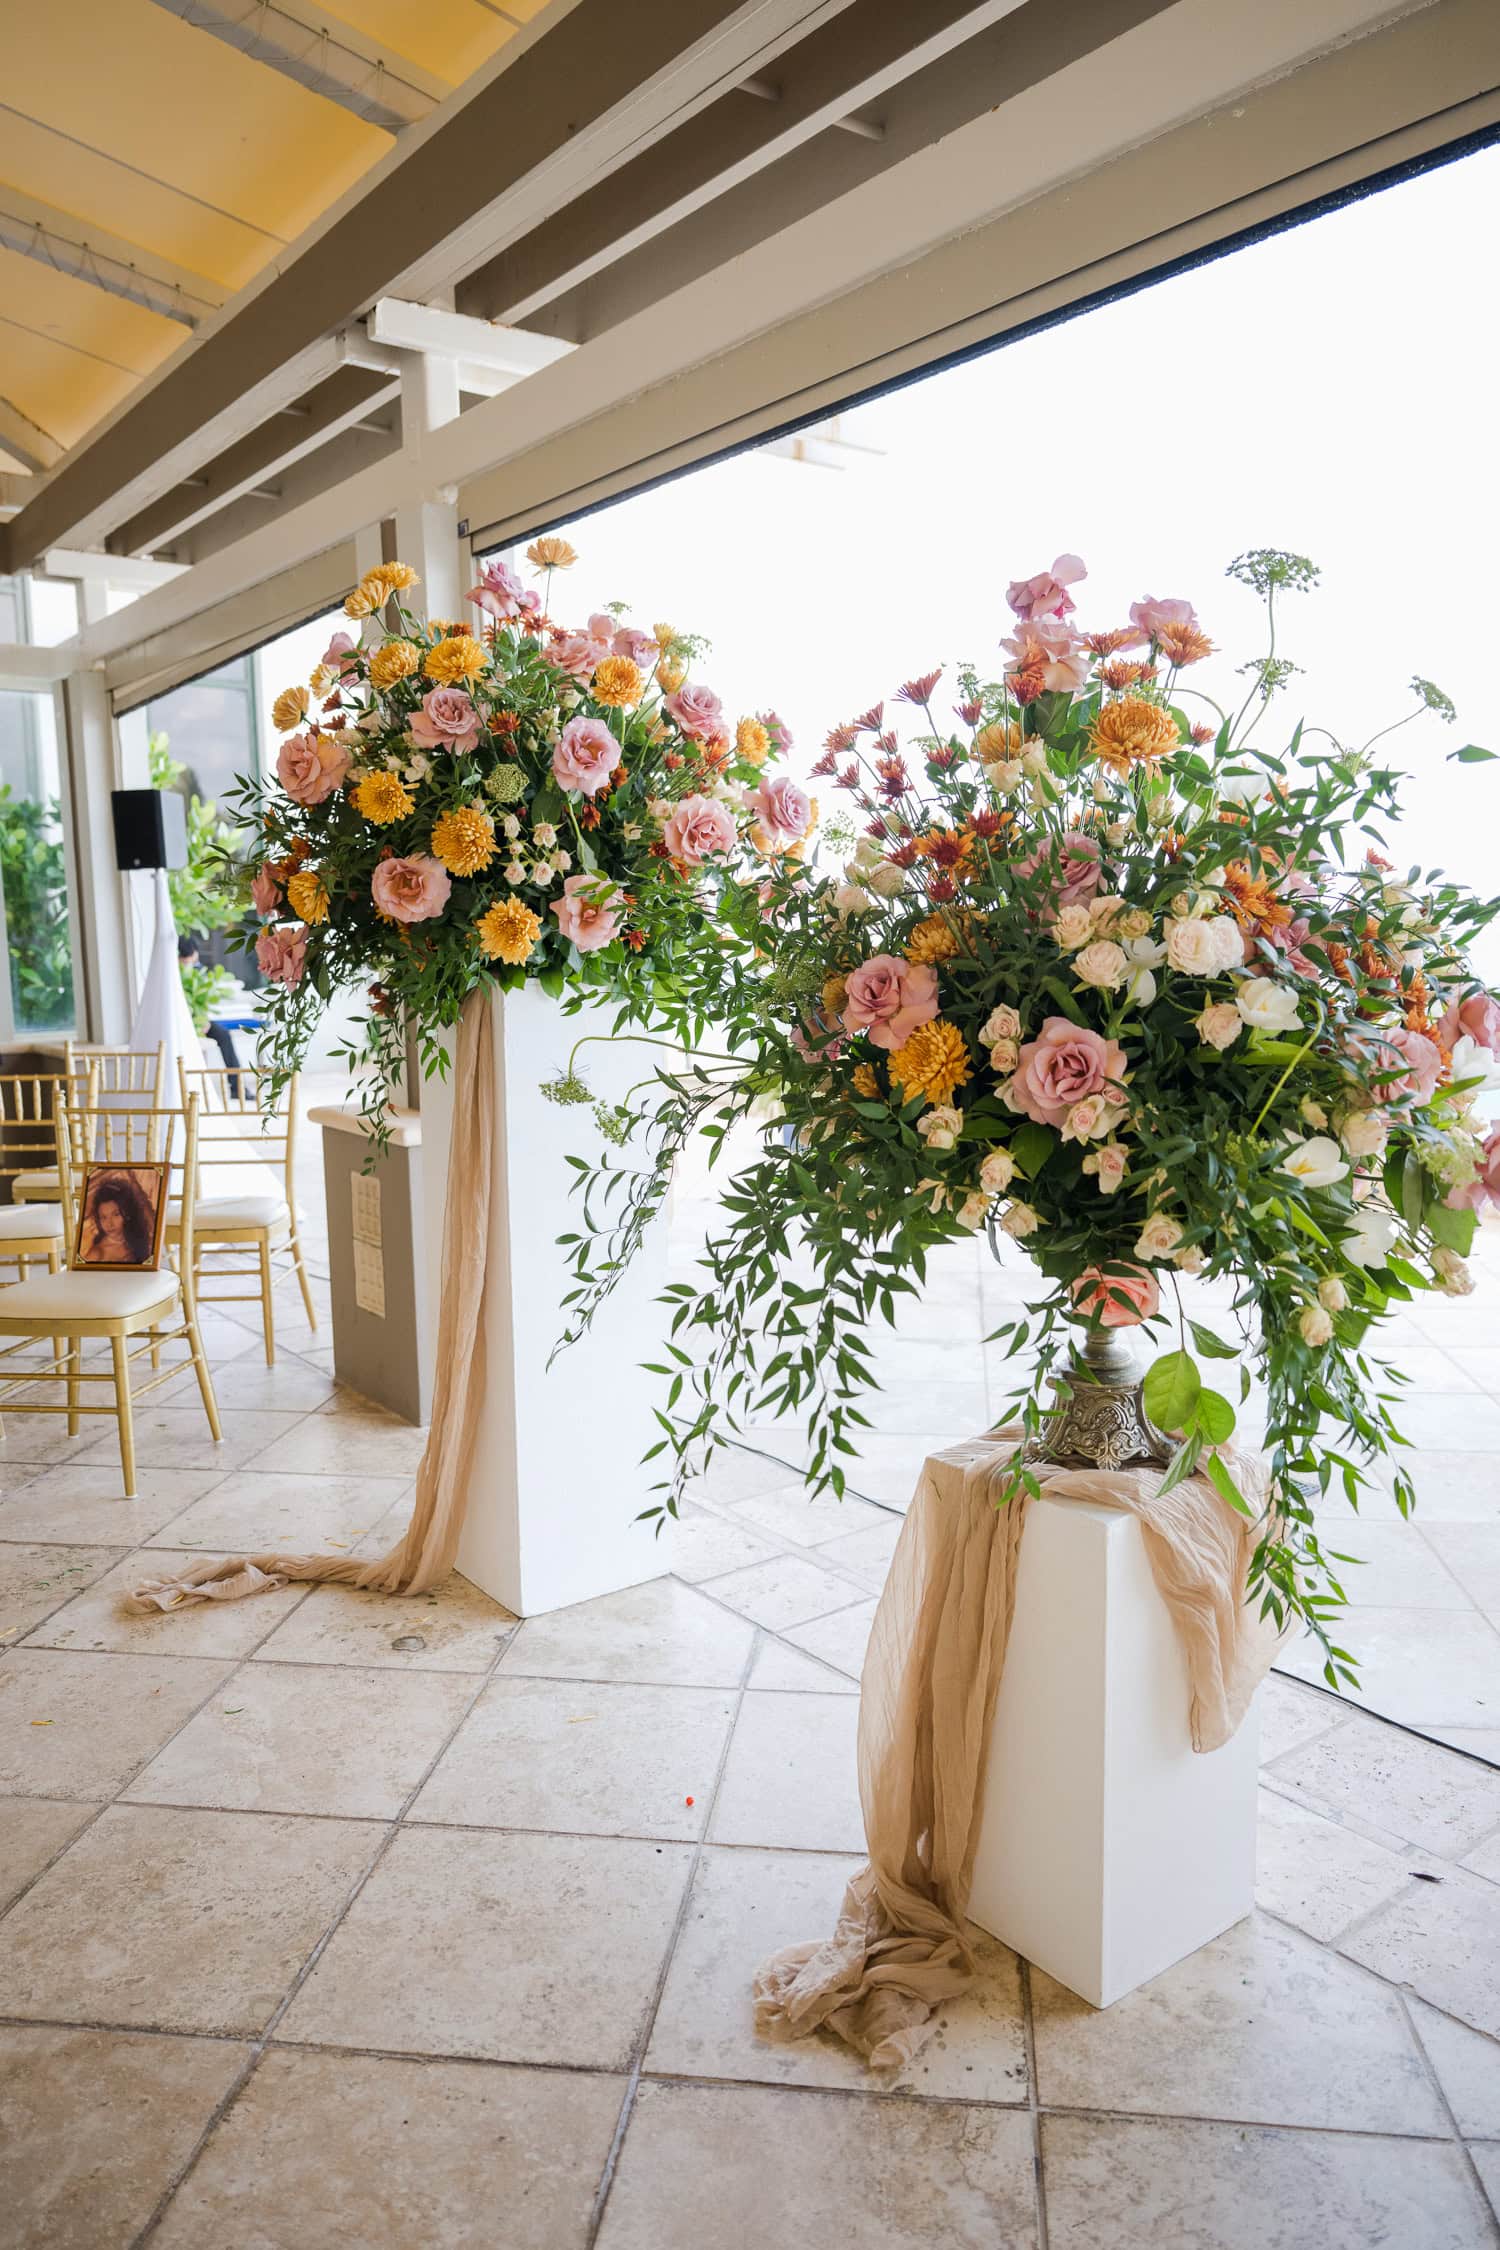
x=478 y=343
x=81 y=262
x=135 y=571
x=26 y=441
x=379 y=91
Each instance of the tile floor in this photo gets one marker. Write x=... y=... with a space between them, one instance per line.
x=486 y=1982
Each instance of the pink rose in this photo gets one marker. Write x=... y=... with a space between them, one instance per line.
x=780 y=733
x=265 y=892
x=889 y=998
x=310 y=767
x=1047 y=594
x=578 y=655
x=1149 y=615
x=1098 y=1296
x=1477 y=1017
x=1486 y=1189
x=1046 y=645
x=282 y=955
x=1077 y=873
x=584 y=756
x=1423 y=1061
x=630 y=641
x=785 y=812
x=1064 y=1064
x=699 y=713
x=585 y=912
x=446 y=721
x=411 y=890
x=340 y=654
x=698 y=827
x=499 y=592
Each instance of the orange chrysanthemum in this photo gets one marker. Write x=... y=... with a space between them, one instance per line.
x=618 y=683
x=307 y=895
x=1123 y=673
x=1134 y=731
x=397 y=660
x=454 y=660
x=551 y=553
x=752 y=741
x=1184 y=644
x=508 y=932
x=866 y=1084
x=1252 y=901
x=670 y=674
x=835 y=995
x=382 y=798
x=464 y=840
x=289 y=708
x=998 y=743
x=932 y=940
x=932 y=1064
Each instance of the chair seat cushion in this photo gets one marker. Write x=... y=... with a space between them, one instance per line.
x=39 y=1180
x=20 y=1222
x=232 y=1211
x=95 y=1295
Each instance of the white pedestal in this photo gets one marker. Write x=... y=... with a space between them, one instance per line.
x=1109 y=1848
x=557 y=1479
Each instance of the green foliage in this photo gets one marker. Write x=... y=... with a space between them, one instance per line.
x=206 y=991
x=205 y=893
x=33 y=871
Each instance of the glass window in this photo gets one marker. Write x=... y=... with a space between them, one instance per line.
x=33 y=866
x=210 y=727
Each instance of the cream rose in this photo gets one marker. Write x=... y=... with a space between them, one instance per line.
x=1072 y=928
x=1199 y=948
x=1000 y=1023
x=940 y=1128
x=1020 y=1220
x=1219 y=1025
x=1315 y=1324
x=1158 y=1238
x=1364 y=1132
x=1103 y=965
x=997 y=1171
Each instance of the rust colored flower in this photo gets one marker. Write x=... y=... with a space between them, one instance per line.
x=840 y=739
x=588 y=814
x=1026 y=685
x=1201 y=732
x=635 y=939
x=968 y=713
x=1252 y=901
x=941 y=889
x=948 y=847
x=933 y=1063
x=464 y=840
x=849 y=778
x=1183 y=643
x=1119 y=674
x=1133 y=732
x=826 y=765
x=504 y=722
x=989 y=822
x=871 y=721
x=1105 y=644
x=919 y=690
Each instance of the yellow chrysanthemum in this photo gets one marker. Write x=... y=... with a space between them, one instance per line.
x=752 y=741
x=551 y=553
x=932 y=1063
x=289 y=709
x=998 y=742
x=508 y=932
x=396 y=661
x=1134 y=731
x=866 y=1084
x=459 y=657
x=835 y=995
x=321 y=680
x=670 y=674
x=396 y=576
x=362 y=601
x=383 y=797
x=464 y=840
x=618 y=683
x=932 y=940
x=307 y=895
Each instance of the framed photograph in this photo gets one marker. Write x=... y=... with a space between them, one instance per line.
x=121 y=1217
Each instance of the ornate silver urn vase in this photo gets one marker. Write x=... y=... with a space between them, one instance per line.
x=1099 y=1420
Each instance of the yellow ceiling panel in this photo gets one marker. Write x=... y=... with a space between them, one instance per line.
x=451 y=38
x=98 y=191
x=179 y=106
x=69 y=311
x=61 y=390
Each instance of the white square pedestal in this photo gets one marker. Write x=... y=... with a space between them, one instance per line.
x=557 y=1479
x=1109 y=1847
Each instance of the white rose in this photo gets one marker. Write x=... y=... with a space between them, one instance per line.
x=1004 y=1056
x=1116 y=832
x=1453 y=1276
x=1220 y=1025
x=868 y=854
x=1005 y=776
x=1267 y=1006
x=1034 y=758
x=886 y=881
x=515 y=872
x=510 y=827
x=997 y=1171
x=1102 y=965
x=1158 y=1238
x=1364 y=1132
x=849 y=899
x=940 y=1128
x=1020 y=1220
x=544 y=834
x=1316 y=1324
x=1374 y=1233
x=1197 y=948
x=1073 y=928
x=971 y=1212
x=1001 y=1023
x=1315 y=1162
x=1135 y=922
x=1332 y=1294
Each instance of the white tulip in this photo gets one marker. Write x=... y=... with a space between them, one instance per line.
x=1267 y=1006
x=1316 y=1162
x=1374 y=1234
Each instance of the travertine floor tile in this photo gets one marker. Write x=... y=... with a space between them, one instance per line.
x=348 y=1438
x=868 y=1553
x=734 y=1474
x=454 y=1628
x=793 y=1512
x=1320 y=1876
x=786 y=1590
x=95 y=1620
x=1262 y=2025
x=596 y=1758
x=1394 y=1566
x=249 y=1512
x=1291 y=1714
x=191 y=1921
x=790 y=1780
x=78 y=1725
x=87 y=1505
x=1430 y=1667
x=1444 y=1941
x=1455 y=1487
x=42 y=1440
x=777 y=1666
x=1396 y=1782
x=386 y=2154
x=660 y=1633
x=32 y=1829
x=94 y=2127
x=1164 y=2185
x=762 y=2166
x=1486 y=2155
x=36 y=1580
x=309 y=1738
x=745 y=1906
x=543 y=1949
x=1472 y=1552
x=1468 y=2068
x=290 y=1387
x=840 y=1640
x=702 y=1544
x=177 y=1437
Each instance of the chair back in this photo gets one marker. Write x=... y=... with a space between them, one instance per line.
x=31 y=1103
x=135 y=1072
x=243 y=1120
x=97 y=1135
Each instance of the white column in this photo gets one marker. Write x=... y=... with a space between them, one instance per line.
x=1109 y=1847
x=96 y=765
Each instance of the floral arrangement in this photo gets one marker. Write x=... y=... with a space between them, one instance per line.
x=1128 y=976
x=514 y=799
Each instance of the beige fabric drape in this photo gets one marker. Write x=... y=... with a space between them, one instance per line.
x=927 y=1697
x=423 y=1556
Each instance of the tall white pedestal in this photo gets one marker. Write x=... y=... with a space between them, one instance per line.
x=557 y=1477
x=1109 y=1847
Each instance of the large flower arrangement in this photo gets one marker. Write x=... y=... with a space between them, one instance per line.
x=519 y=799
x=1141 y=989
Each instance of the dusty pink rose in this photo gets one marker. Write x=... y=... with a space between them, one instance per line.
x=1046 y=645
x=1047 y=594
x=698 y=712
x=281 y=954
x=780 y=733
x=1098 y=1296
x=889 y=998
x=310 y=767
x=784 y=810
x=1077 y=872
x=499 y=592
x=697 y=828
x=1477 y=1017
x=340 y=654
x=1486 y=1189
x=586 y=912
x=638 y=646
x=584 y=756
x=1423 y=1062
x=265 y=892
x=578 y=654
x=411 y=890
x=1064 y=1064
x=446 y=721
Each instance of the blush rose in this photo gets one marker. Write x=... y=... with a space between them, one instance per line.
x=1119 y=1300
x=310 y=767
x=1065 y=1064
x=889 y=998
x=699 y=827
x=411 y=890
x=585 y=756
x=585 y=912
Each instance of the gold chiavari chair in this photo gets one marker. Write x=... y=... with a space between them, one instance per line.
x=124 y=1076
x=29 y=1105
x=244 y=1223
x=159 y=1307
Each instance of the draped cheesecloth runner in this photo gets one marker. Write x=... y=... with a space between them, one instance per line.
x=927 y=1698
x=424 y=1554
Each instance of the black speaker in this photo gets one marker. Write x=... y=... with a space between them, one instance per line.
x=150 y=828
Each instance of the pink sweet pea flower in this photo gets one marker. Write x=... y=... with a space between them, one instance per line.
x=638 y=646
x=1150 y=614
x=585 y=912
x=780 y=733
x=1065 y=1064
x=1047 y=594
x=340 y=654
x=310 y=767
x=411 y=890
x=1047 y=646
x=265 y=892
x=584 y=756
x=699 y=713
x=281 y=955
x=1486 y=1189
x=889 y=998
x=1477 y=1017
x=785 y=812
x=1097 y=1295
x=699 y=827
x=446 y=721
x=500 y=592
